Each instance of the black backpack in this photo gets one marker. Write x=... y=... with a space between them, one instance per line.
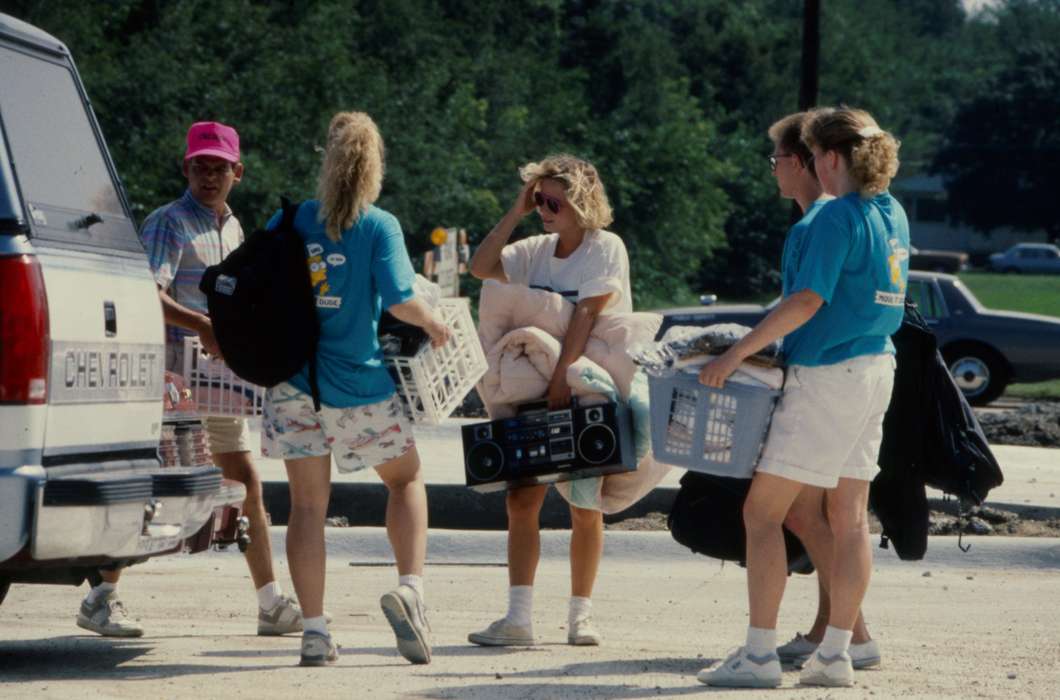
x=263 y=309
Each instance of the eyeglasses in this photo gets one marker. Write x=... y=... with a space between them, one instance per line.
x=543 y=200
x=773 y=161
x=774 y=158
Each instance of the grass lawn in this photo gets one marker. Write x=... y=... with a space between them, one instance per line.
x=1039 y=390
x=1036 y=294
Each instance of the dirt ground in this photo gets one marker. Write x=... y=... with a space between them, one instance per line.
x=983 y=628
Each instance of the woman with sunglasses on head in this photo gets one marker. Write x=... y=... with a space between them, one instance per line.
x=589 y=267
x=844 y=294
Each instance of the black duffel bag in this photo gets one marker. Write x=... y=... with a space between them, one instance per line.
x=707 y=517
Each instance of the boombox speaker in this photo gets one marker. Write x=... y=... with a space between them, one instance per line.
x=539 y=446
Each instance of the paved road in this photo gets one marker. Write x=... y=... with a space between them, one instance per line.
x=981 y=624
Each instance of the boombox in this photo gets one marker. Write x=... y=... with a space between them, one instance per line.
x=539 y=446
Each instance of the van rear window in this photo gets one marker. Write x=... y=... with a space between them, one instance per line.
x=68 y=190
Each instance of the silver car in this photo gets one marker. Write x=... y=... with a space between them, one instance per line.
x=1037 y=258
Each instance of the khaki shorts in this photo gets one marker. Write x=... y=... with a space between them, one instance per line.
x=829 y=421
x=223 y=434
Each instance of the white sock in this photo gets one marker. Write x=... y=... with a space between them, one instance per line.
x=579 y=608
x=269 y=595
x=836 y=641
x=100 y=591
x=414 y=582
x=315 y=624
x=761 y=641
x=520 y=605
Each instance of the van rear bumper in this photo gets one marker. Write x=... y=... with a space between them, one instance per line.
x=129 y=514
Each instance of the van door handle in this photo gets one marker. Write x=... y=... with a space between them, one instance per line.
x=86 y=221
x=110 y=319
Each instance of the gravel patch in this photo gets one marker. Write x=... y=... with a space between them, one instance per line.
x=1031 y=424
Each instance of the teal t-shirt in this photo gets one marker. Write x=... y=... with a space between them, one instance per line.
x=795 y=242
x=855 y=255
x=353 y=281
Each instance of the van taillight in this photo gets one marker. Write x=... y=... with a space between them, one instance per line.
x=24 y=342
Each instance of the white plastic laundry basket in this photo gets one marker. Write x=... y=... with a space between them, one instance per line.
x=434 y=381
x=716 y=431
x=215 y=389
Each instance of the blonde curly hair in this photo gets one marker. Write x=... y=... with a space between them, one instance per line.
x=870 y=152
x=351 y=175
x=581 y=183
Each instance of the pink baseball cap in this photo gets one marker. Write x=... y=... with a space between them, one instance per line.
x=213 y=139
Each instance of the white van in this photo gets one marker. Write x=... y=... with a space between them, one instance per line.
x=81 y=343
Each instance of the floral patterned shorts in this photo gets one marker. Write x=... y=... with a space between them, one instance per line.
x=358 y=437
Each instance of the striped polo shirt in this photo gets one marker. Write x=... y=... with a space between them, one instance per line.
x=182 y=239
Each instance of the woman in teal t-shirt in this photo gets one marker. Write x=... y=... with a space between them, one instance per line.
x=358 y=266
x=843 y=298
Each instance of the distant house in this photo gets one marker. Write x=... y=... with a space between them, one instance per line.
x=924 y=199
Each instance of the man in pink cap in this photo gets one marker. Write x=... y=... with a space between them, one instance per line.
x=182 y=239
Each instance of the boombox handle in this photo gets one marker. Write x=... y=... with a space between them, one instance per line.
x=540 y=405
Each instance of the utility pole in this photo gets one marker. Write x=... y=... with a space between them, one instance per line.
x=808 y=82
x=811 y=50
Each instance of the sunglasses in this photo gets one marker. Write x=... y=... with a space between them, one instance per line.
x=543 y=200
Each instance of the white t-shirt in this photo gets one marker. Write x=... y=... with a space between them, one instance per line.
x=600 y=265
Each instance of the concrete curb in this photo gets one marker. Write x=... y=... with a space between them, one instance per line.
x=450 y=506
x=456 y=507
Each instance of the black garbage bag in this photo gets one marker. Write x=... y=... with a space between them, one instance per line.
x=707 y=517
x=930 y=437
x=897 y=495
x=899 y=501
x=957 y=456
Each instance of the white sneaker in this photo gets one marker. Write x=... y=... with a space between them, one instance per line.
x=318 y=650
x=865 y=655
x=581 y=633
x=107 y=617
x=284 y=617
x=502 y=633
x=797 y=650
x=832 y=671
x=744 y=670
x=404 y=611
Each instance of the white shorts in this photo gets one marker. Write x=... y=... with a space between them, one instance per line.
x=829 y=421
x=358 y=437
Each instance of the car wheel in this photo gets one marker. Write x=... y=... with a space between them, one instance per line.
x=979 y=372
x=5 y=586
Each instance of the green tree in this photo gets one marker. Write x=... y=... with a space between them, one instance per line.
x=1000 y=156
x=669 y=98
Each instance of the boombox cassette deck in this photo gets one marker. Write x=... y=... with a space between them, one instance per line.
x=539 y=446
